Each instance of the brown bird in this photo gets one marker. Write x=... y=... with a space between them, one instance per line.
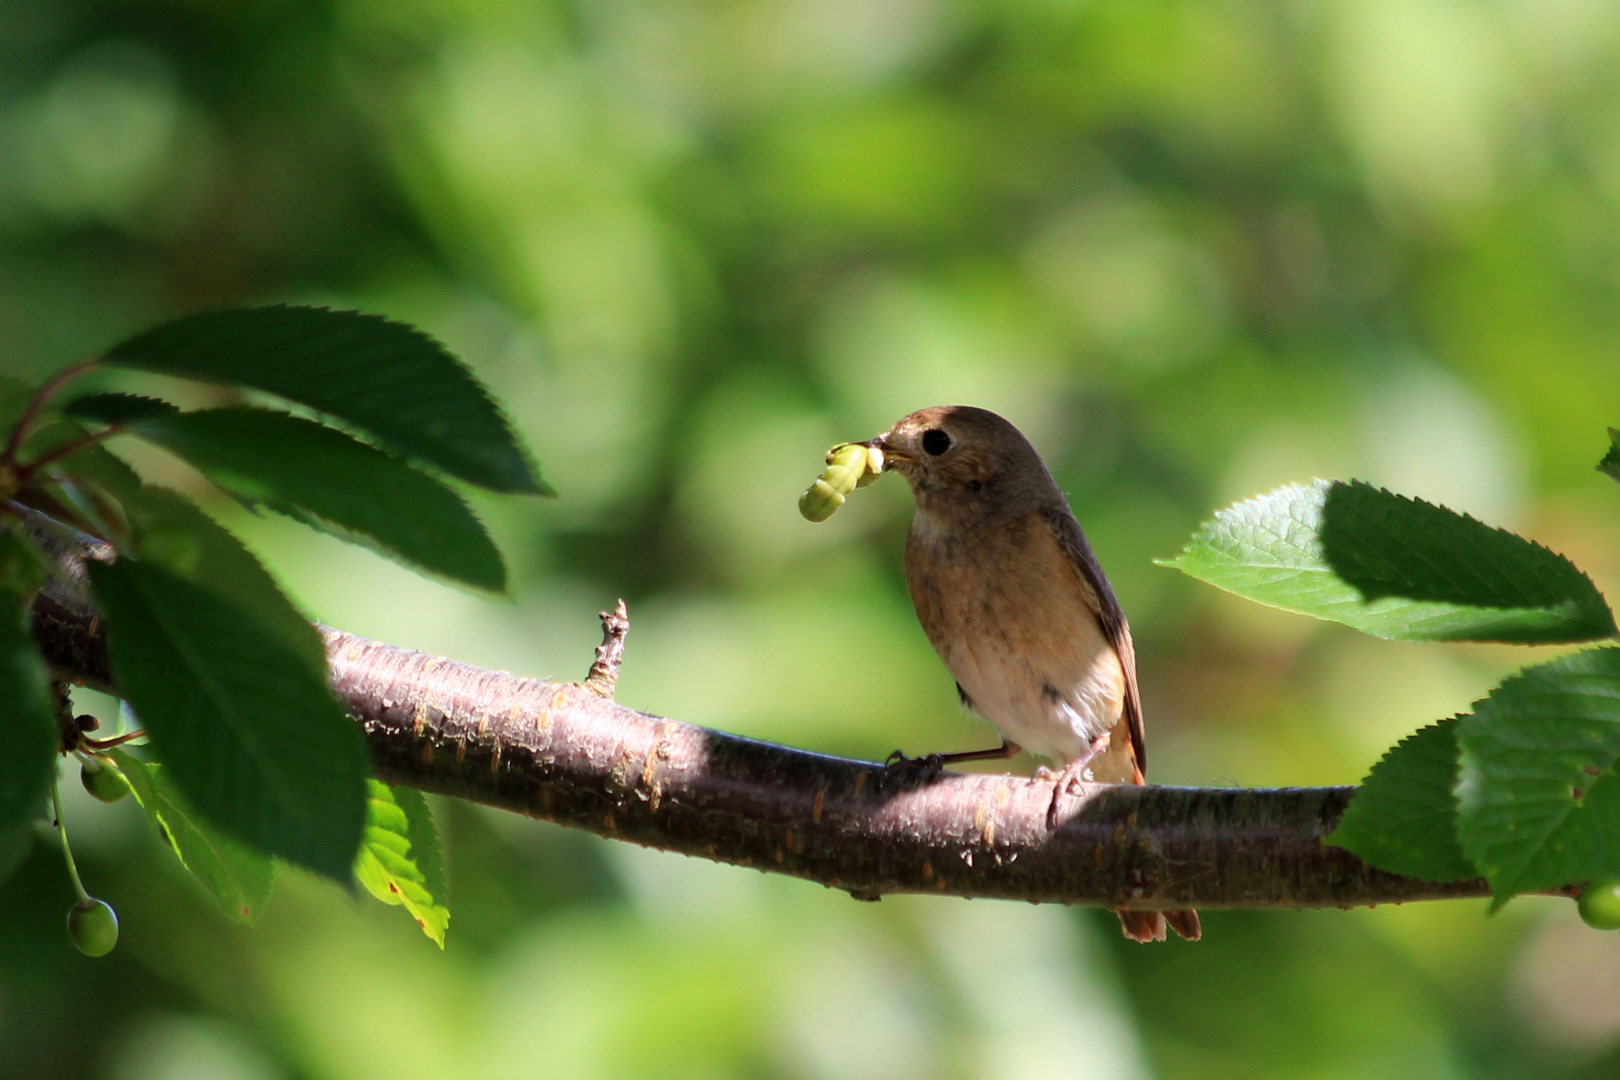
x=1013 y=600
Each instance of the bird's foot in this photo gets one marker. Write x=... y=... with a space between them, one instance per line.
x=1047 y=775
x=899 y=762
x=1064 y=781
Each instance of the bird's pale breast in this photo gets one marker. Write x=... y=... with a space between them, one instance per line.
x=1016 y=623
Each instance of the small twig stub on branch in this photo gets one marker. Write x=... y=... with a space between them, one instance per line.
x=604 y=673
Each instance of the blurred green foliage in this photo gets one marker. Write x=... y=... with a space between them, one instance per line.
x=1194 y=248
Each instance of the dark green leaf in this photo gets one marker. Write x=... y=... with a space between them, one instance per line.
x=237 y=876
x=29 y=738
x=15 y=844
x=255 y=741
x=1611 y=461
x=174 y=533
x=96 y=465
x=344 y=486
x=1394 y=567
x=24 y=567
x=385 y=378
x=14 y=398
x=116 y=408
x=1403 y=818
x=1538 y=797
x=399 y=859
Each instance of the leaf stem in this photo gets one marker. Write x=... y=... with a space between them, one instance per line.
x=67 y=852
x=41 y=398
x=117 y=740
x=26 y=472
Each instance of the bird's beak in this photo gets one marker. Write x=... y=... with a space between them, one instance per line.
x=881 y=444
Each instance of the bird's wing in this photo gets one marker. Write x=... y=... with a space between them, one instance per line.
x=1112 y=618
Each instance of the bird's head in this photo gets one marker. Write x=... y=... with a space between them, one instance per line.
x=962 y=453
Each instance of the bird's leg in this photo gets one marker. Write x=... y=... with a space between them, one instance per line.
x=898 y=760
x=1070 y=777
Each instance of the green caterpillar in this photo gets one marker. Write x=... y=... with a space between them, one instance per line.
x=849 y=466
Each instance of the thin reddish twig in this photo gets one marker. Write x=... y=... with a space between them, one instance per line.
x=37 y=404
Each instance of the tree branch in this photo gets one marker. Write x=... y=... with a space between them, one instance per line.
x=567 y=753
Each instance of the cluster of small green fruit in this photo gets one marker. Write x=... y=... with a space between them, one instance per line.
x=92 y=924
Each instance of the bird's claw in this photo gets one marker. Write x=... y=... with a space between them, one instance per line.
x=899 y=760
x=1066 y=781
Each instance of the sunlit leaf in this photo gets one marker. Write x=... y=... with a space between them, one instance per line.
x=255 y=741
x=383 y=377
x=1537 y=792
x=237 y=876
x=1403 y=819
x=399 y=860
x=1394 y=567
x=335 y=482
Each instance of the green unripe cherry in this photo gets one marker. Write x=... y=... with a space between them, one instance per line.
x=93 y=927
x=1599 y=905
x=103 y=781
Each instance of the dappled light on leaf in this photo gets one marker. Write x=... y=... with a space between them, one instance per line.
x=1394 y=567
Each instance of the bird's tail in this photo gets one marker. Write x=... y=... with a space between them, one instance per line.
x=1148 y=926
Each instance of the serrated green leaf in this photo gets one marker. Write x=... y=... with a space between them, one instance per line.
x=1611 y=461
x=399 y=860
x=29 y=738
x=383 y=377
x=237 y=876
x=1537 y=793
x=173 y=532
x=116 y=408
x=338 y=484
x=1394 y=567
x=255 y=741
x=1403 y=818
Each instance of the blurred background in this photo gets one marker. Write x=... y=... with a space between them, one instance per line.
x=1194 y=248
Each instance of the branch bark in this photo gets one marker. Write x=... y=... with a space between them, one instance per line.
x=567 y=753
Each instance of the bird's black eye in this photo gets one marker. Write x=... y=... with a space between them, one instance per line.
x=936 y=442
